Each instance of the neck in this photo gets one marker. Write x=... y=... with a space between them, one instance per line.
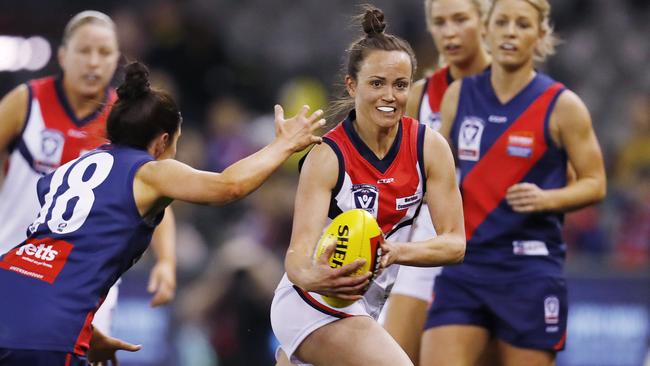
x=507 y=82
x=378 y=139
x=82 y=105
x=475 y=65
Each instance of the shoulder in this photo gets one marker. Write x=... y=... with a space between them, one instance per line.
x=13 y=108
x=569 y=107
x=453 y=93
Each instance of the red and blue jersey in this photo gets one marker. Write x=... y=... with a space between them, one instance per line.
x=432 y=93
x=52 y=135
x=498 y=145
x=87 y=233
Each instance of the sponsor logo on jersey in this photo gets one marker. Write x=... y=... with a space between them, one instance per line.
x=365 y=197
x=404 y=203
x=529 y=247
x=551 y=310
x=497 y=119
x=77 y=133
x=521 y=143
x=469 y=138
x=386 y=180
x=42 y=259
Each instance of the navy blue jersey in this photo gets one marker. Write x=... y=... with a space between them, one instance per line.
x=88 y=232
x=498 y=145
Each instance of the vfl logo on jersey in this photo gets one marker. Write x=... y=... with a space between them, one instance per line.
x=52 y=142
x=521 y=144
x=365 y=197
x=406 y=202
x=551 y=310
x=433 y=121
x=469 y=138
x=42 y=259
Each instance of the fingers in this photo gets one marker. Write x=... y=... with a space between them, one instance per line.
x=279 y=112
x=330 y=246
x=154 y=282
x=351 y=268
x=314 y=116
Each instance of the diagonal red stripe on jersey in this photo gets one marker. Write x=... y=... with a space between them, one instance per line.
x=501 y=170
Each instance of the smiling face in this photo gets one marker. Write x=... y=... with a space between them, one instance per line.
x=456 y=28
x=513 y=33
x=381 y=88
x=89 y=59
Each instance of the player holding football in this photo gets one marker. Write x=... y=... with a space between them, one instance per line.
x=385 y=163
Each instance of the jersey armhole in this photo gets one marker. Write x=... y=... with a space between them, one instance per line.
x=422 y=129
x=547 y=117
x=425 y=89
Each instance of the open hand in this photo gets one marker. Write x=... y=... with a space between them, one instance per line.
x=298 y=131
x=103 y=348
x=162 y=283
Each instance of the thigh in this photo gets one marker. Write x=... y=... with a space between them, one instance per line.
x=453 y=345
x=515 y=356
x=19 y=357
x=353 y=341
x=404 y=321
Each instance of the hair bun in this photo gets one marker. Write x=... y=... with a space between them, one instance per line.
x=136 y=81
x=373 y=22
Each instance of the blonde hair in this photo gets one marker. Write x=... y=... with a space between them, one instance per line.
x=547 y=45
x=83 y=18
x=480 y=5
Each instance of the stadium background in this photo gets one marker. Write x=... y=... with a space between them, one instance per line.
x=227 y=62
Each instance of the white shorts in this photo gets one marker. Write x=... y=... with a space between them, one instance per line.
x=104 y=315
x=418 y=281
x=295 y=314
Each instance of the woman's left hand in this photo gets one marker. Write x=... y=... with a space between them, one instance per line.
x=526 y=198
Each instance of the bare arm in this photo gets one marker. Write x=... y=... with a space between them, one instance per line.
x=174 y=180
x=415 y=95
x=571 y=128
x=13 y=110
x=162 y=279
x=317 y=179
x=448 y=108
x=446 y=209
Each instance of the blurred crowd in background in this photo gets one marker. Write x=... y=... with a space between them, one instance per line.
x=228 y=61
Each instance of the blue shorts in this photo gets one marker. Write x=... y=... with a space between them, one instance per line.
x=529 y=313
x=23 y=357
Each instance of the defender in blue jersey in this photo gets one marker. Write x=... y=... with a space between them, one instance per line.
x=513 y=131
x=97 y=213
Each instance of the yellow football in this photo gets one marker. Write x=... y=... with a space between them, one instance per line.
x=357 y=235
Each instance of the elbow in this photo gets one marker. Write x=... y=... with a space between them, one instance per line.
x=458 y=251
x=601 y=192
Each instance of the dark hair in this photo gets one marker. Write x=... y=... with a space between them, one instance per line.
x=141 y=113
x=372 y=22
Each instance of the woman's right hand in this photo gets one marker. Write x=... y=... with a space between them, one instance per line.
x=298 y=131
x=335 y=282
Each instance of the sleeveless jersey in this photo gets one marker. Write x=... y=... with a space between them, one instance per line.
x=391 y=189
x=432 y=93
x=498 y=145
x=52 y=135
x=87 y=233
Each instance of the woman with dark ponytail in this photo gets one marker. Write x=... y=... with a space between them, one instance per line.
x=391 y=160
x=97 y=216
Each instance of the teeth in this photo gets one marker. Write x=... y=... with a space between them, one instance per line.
x=508 y=46
x=386 y=109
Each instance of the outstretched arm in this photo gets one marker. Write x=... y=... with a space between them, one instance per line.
x=162 y=279
x=174 y=180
